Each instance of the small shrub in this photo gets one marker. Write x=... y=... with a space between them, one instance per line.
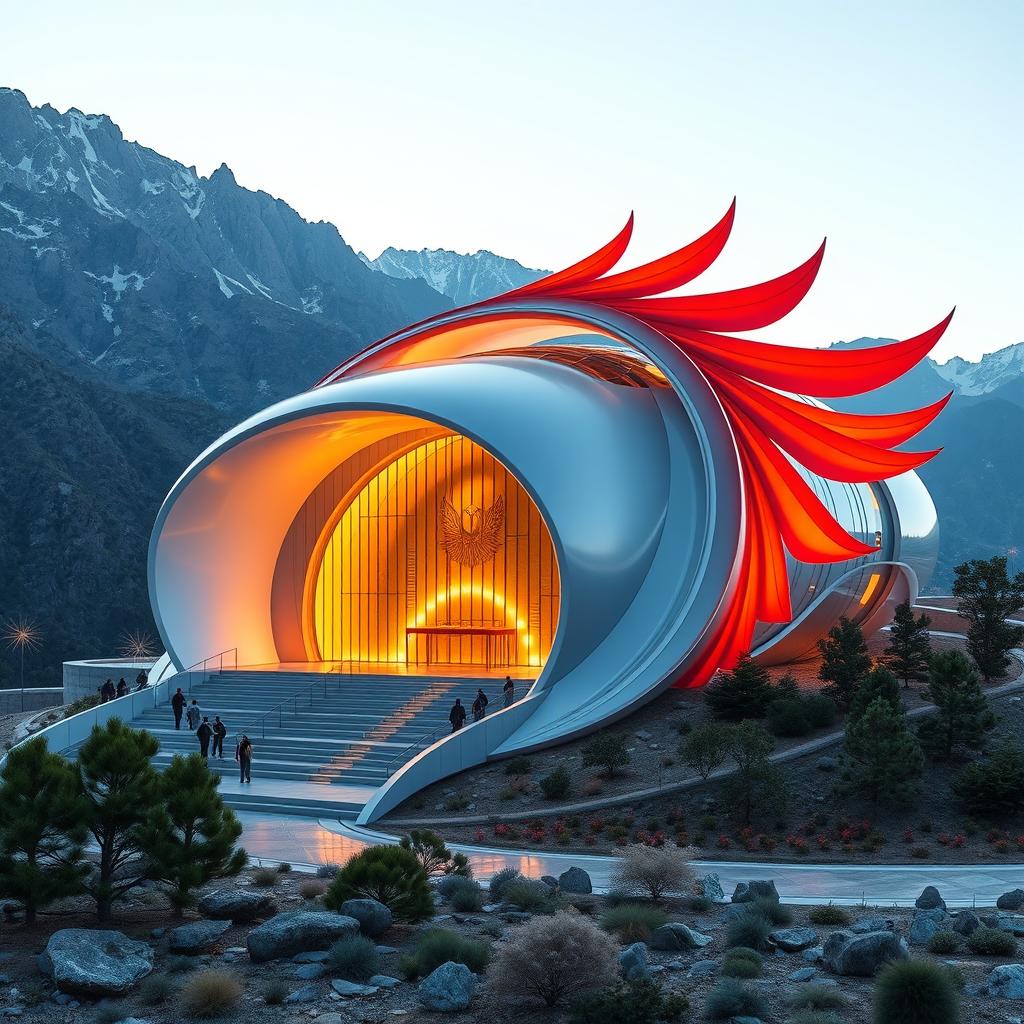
x=110 y=1012
x=180 y=964
x=284 y=868
x=638 y=1002
x=654 y=871
x=311 y=888
x=788 y=717
x=552 y=960
x=991 y=942
x=389 y=874
x=354 y=958
x=556 y=786
x=920 y=852
x=264 y=878
x=944 y=943
x=731 y=999
x=821 y=710
x=456 y=802
x=700 y=904
x=745 y=953
x=775 y=912
x=957 y=978
x=915 y=992
x=275 y=992
x=829 y=915
x=466 y=897
x=502 y=880
x=432 y=853
x=607 y=750
x=815 y=1017
x=155 y=989
x=530 y=895
x=593 y=787
x=327 y=870
x=748 y=929
x=817 y=997
x=210 y=994
x=518 y=766
x=740 y=967
x=439 y=945
x=633 y=922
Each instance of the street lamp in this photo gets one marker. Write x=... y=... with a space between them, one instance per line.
x=137 y=644
x=21 y=634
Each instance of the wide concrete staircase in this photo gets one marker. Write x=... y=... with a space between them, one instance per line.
x=322 y=742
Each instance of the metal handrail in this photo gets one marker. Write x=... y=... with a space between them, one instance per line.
x=202 y=666
x=421 y=742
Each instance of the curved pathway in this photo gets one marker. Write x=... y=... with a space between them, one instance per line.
x=305 y=843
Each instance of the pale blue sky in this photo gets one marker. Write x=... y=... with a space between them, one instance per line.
x=533 y=128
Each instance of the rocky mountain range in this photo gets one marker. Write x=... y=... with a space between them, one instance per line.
x=145 y=308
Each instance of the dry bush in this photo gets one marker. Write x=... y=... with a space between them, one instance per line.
x=210 y=994
x=552 y=959
x=265 y=878
x=655 y=871
x=592 y=787
x=311 y=888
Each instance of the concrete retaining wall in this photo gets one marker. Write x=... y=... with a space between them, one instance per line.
x=84 y=678
x=30 y=699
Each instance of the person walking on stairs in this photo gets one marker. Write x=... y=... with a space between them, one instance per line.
x=122 y=687
x=141 y=680
x=178 y=707
x=457 y=715
x=219 y=732
x=243 y=755
x=508 y=691
x=203 y=734
x=194 y=715
x=107 y=691
x=479 y=705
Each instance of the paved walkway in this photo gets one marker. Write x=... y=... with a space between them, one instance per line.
x=305 y=843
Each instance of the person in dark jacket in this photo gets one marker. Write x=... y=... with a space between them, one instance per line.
x=479 y=705
x=219 y=732
x=508 y=691
x=243 y=755
x=141 y=680
x=178 y=707
x=122 y=687
x=204 y=734
x=107 y=691
x=194 y=714
x=457 y=715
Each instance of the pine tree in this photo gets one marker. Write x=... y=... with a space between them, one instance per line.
x=121 y=788
x=987 y=597
x=879 y=682
x=745 y=692
x=41 y=831
x=756 y=780
x=963 y=715
x=910 y=645
x=189 y=838
x=886 y=758
x=844 y=661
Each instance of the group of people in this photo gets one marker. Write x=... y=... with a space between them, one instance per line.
x=457 y=715
x=215 y=732
x=108 y=691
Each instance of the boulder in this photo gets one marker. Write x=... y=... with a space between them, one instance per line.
x=374 y=918
x=702 y=968
x=94 y=962
x=710 y=886
x=633 y=961
x=1012 y=900
x=925 y=924
x=550 y=881
x=930 y=899
x=310 y=972
x=747 y=892
x=385 y=981
x=352 y=988
x=675 y=936
x=575 y=880
x=298 y=932
x=966 y=922
x=447 y=989
x=306 y=994
x=196 y=937
x=238 y=905
x=1006 y=982
x=873 y=924
x=813 y=955
x=802 y=974
x=792 y=940
x=1012 y=923
x=861 y=956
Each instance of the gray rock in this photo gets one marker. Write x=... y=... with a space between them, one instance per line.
x=1012 y=900
x=550 y=881
x=95 y=962
x=803 y=974
x=298 y=932
x=374 y=918
x=965 y=922
x=447 y=989
x=746 y=1020
x=513 y=916
x=306 y=994
x=196 y=937
x=310 y=972
x=873 y=924
x=701 y=968
x=814 y=954
x=383 y=950
x=792 y=940
x=676 y=935
x=384 y=981
x=990 y=920
x=1011 y=923
x=710 y=886
x=318 y=956
x=925 y=924
x=930 y=899
x=862 y=955
x=1006 y=982
x=238 y=905
x=747 y=892
x=351 y=988
x=575 y=880
x=633 y=961
x=826 y=764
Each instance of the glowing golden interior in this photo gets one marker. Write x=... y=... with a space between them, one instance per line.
x=440 y=558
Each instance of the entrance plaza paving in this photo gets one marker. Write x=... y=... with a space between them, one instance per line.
x=306 y=842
